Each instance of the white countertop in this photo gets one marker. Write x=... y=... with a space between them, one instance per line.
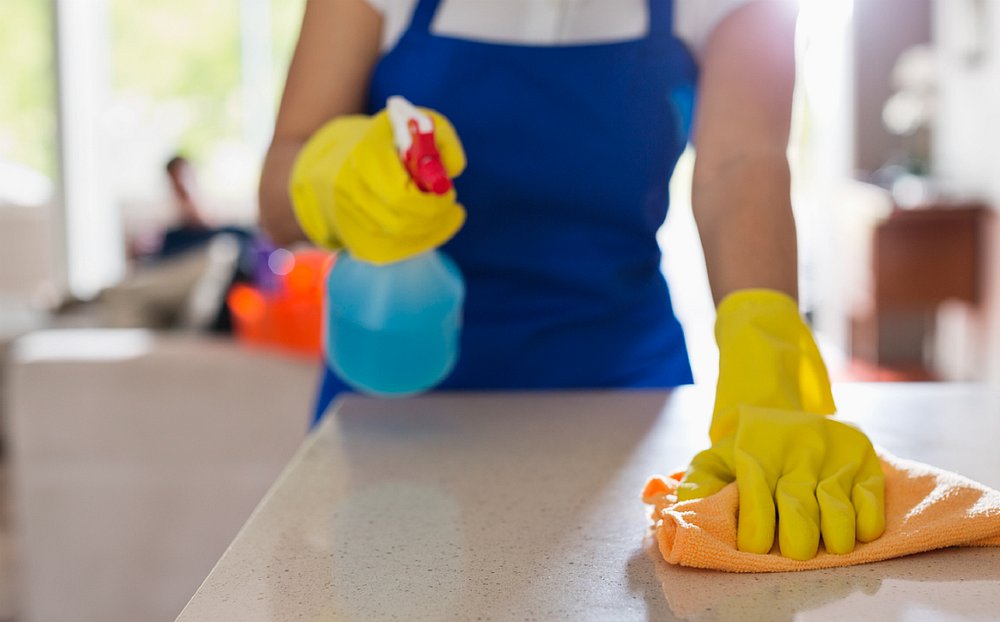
x=527 y=507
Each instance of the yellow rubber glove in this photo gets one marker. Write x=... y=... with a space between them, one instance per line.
x=349 y=188
x=809 y=474
x=767 y=357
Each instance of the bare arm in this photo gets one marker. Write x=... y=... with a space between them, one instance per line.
x=741 y=189
x=328 y=77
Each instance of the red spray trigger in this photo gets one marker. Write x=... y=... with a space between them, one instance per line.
x=423 y=161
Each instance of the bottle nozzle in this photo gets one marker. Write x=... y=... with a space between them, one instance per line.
x=431 y=177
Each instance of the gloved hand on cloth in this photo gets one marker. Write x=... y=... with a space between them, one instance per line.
x=350 y=189
x=794 y=465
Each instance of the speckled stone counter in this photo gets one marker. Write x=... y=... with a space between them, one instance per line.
x=526 y=507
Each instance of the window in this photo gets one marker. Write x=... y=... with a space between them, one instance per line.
x=200 y=77
x=27 y=104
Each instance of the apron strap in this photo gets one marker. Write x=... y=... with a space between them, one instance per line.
x=661 y=18
x=423 y=15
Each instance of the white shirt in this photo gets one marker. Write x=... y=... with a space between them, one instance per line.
x=554 y=22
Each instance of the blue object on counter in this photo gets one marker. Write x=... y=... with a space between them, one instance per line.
x=393 y=329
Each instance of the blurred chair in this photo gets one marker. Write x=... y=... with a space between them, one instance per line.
x=184 y=291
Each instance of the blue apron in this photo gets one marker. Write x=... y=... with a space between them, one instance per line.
x=570 y=151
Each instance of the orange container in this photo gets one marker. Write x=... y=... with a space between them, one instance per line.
x=288 y=317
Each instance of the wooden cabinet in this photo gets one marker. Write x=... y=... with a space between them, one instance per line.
x=920 y=258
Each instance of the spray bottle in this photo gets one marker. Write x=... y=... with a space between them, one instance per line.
x=393 y=329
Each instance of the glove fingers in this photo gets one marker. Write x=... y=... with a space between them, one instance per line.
x=706 y=475
x=376 y=156
x=837 y=517
x=380 y=248
x=864 y=481
x=424 y=213
x=413 y=213
x=868 y=496
x=383 y=187
x=355 y=212
x=407 y=201
x=798 y=514
x=795 y=493
x=446 y=227
x=755 y=530
x=448 y=144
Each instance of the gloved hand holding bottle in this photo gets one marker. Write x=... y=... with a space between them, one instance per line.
x=350 y=190
x=381 y=188
x=771 y=432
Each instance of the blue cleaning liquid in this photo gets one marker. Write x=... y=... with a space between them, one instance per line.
x=393 y=329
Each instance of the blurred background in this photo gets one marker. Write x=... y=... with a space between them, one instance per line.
x=159 y=357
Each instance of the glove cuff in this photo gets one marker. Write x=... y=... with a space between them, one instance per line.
x=767 y=358
x=752 y=302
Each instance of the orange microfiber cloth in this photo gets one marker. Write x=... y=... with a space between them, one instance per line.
x=926 y=508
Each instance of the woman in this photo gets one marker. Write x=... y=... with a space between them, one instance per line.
x=572 y=115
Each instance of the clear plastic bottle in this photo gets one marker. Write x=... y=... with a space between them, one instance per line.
x=394 y=329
